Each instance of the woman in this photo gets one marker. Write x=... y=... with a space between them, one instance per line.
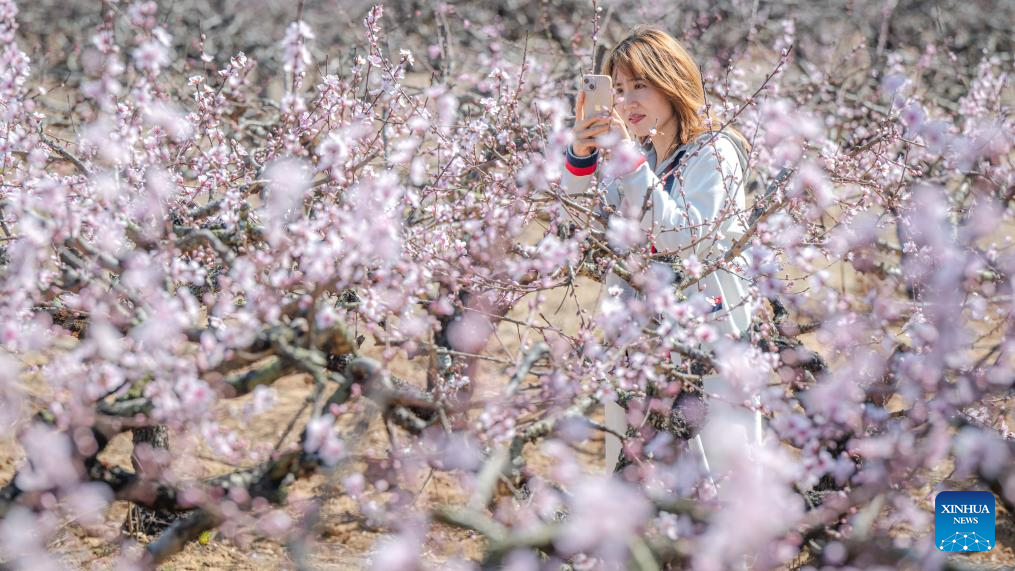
x=694 y=177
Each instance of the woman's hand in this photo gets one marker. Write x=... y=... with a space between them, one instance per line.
x=619 y=126
x=586 y=130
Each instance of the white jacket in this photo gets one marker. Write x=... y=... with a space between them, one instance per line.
x=709 y=177
x=685 y=206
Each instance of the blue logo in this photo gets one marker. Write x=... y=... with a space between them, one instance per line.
x=964 y=521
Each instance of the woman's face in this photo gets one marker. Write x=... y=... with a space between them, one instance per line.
x=642 y=105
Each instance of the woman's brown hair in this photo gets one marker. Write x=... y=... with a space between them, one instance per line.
x=657 y=57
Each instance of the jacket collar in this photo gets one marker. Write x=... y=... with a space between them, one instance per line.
x=650 y=156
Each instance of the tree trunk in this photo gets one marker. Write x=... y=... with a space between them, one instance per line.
x=142 y=521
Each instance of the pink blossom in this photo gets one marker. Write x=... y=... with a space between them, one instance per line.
x=705 y=334
x=893 y=84
x=935 y=134
x=23 y=538
x=693 y=265
x=744 y=366
x=615 y=318
x=222 y=441
x=761 y=505
x=810 y=177
x=912 y=116
x=521 y=560
x=604 y=515
x=11 y=394
x=447 y=109
x=288 y=180
x=555 y=253
x=624 y=158
x=322 y=439
x=87 y=502
x=142 y=14
x=397 y=552
x=296 y=54
x=263 y=399
x=195 y=395
x=623 y=233
x=151 y=56
x=170 y=120
x=50 y=462
x=275 y=523
x=469 y=332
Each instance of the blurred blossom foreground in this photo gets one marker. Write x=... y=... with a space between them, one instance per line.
x=293 y=284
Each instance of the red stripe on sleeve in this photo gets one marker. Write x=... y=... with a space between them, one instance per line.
x=580 y=171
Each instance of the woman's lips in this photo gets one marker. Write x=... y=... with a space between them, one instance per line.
x=635 y=118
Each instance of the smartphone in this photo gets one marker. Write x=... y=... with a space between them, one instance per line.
x=598 y=95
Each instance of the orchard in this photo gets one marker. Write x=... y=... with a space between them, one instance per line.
x=297 y=285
